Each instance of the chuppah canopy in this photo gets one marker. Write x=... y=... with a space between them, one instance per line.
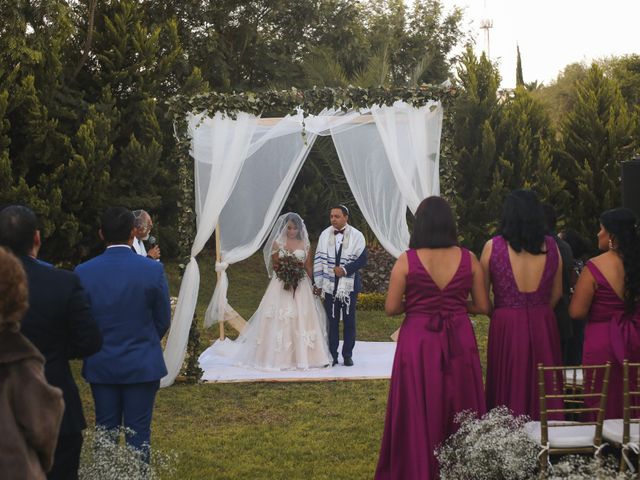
x=245 y=167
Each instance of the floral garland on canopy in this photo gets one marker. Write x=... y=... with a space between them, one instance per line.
x=276 y=103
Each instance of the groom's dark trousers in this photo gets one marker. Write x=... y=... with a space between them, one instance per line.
x=334 y=309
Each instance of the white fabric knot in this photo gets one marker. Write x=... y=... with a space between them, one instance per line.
x=221 y=266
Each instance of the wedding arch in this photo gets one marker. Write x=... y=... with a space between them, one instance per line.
x=247 y=149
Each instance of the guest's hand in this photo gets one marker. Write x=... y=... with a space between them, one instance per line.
x=339 y=271
x=154 y=252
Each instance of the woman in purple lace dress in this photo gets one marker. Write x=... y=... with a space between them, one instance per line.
x=524 y=269
x=608 y=295
x=436 y=371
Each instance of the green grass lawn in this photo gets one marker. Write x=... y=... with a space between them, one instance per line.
x=306 y=430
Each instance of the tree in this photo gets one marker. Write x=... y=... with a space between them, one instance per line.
x=596 y=135
x=519 y=77
x=524 y=138
x=478 y=187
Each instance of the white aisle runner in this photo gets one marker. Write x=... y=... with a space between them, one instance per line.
x=372 y=360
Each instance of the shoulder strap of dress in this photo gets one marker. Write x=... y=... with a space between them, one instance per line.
x=466 y=259
x=412 y=258
x=498 y=246
x=595 y=271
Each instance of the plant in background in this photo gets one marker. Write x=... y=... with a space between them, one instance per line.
x=375 y=275
x=105 y=458
x=371 y=301
x=493 y=447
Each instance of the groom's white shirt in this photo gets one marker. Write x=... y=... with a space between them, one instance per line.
x=139 y=247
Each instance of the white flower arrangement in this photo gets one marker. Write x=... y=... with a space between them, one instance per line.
x=493 y=447
x=580 y=467
x=105 y=458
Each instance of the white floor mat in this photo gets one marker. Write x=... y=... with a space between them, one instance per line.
x=372 y=360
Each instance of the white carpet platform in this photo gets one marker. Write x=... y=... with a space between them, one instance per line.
x=372 y=360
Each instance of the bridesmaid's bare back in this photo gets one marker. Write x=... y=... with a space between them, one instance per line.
x=440 y=263
x=527 y=269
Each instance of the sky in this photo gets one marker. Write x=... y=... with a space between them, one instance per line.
x=552 y=33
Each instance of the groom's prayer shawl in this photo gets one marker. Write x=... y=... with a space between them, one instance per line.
x=353 y=244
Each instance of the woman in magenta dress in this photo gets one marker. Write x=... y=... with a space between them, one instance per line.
x=608 y=295
x=524 y=269
x=436 y=371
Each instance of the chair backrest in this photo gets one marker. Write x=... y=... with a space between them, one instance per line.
x=583 y=396
x=631 y=397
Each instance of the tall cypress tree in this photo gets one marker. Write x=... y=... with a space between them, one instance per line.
x=519 y=76
x=475 y=112
x=597 y=134
x=525 y=138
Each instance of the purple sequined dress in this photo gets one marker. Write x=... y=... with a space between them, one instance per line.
x=522 y=333
x=436 y=373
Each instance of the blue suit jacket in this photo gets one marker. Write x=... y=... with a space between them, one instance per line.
x=129 y=299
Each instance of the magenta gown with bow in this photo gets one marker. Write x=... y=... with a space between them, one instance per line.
x=522 y=333
x=610 y=335
x=436 y=373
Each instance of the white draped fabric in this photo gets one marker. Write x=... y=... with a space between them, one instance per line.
x=276 y=156
x=244 y=171
x=411 y=139
x=219 y=146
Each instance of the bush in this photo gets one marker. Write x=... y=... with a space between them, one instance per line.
x=375 y=275
x=105 y=458
x=494 y=447
x=371 y=301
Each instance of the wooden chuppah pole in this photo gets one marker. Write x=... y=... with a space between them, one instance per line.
x=219 y=275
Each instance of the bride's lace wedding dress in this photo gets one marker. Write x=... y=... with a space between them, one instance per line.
x=287 y=331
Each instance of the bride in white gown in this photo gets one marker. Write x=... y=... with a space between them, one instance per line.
x=289 y=328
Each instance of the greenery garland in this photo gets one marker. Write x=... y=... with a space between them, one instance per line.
x=276 y=103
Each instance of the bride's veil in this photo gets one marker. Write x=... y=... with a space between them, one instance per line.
x=278 y=238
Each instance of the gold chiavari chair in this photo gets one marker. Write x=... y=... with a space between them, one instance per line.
x=625 y=432
x=562 y=436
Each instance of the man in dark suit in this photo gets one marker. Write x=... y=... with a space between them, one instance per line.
x=129 y=299
x=340 y=254
x=59 y=323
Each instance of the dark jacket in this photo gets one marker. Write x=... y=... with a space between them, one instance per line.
x=60 y=325
x=129 y=298
x=30 y=410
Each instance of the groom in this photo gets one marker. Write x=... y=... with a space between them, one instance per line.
x=340 y=254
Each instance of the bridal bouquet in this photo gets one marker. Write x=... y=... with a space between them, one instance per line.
x=290 y=270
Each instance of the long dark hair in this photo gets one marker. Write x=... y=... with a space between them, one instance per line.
x=621 y=223
x=435 y=226
x=523 y=222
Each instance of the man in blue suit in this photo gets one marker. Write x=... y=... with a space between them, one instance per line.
x=129 y=299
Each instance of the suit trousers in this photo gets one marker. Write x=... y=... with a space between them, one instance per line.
x=67 y=457
x=129 y=405
x=349 y=330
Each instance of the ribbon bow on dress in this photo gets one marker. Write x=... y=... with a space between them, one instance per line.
x=451 y=347
x=624 y=335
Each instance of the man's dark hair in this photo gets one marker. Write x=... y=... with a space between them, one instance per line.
x=342 y=208
x=116 y=225
x=18 y=225
x=551 y=218
x=434 y=226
